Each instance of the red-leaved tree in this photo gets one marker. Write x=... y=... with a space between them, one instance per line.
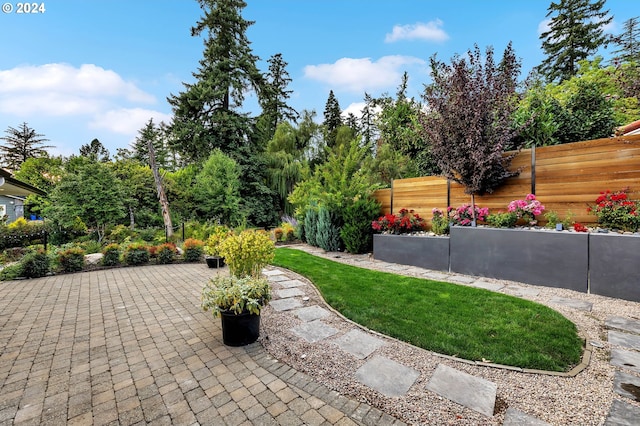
x=468 y=118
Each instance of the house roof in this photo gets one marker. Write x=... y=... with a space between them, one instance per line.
x=12 y=186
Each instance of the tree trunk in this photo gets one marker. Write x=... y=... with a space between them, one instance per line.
x=162 y=197
x=474 y=222
x=132 y=222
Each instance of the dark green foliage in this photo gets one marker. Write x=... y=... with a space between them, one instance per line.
x=111 y=255
x=332 y=119
x=328 y=230
x=576 y=31
x=35 y=264
x=95 y=151
x=590 y=115
x=311 y=226
x=274 y=96
x=217 y=189
x=136 y=254
x=356 y=233
x=166 y=253
x=11 y=272
x=71 y=260
x=21 y=236
x=628 y=42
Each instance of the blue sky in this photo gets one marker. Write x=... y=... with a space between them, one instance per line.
x=101 y=68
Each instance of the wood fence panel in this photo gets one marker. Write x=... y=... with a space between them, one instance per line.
x=568 y=179
x=384 y=198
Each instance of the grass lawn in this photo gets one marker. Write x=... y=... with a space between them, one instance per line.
x=449 y=319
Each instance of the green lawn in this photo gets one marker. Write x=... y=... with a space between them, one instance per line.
x=450 y=319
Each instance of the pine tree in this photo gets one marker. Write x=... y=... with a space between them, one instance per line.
x=206 y=113
x=21 y=144
x=332 y=119
x=628 y=42
x=96 y=151
x=274 y=95
x=575 y=33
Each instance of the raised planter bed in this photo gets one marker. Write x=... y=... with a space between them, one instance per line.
x=422 y=251
x=614 y=265
x=547 y=258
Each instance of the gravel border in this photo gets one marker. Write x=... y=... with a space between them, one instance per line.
x=584 y=399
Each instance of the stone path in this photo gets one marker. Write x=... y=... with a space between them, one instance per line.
x=624 y=333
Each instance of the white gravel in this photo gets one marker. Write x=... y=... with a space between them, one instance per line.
x=581 y=400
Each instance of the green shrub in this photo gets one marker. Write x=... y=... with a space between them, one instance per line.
x=356 y=233
x=166 y=253
x=439 y=222
x=136 y=254
x=35 y=264
x=91 y=246
x=120 y=233
x=247 y=252
x=111 y=255
x=193 y=249
x=311 y=226
x=71 y=260
x=328 y=231
x=11 y=272
x=503 y=220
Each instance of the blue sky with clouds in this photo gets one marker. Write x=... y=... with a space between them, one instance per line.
x=101 y=68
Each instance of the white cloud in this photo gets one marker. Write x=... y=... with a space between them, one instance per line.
x=127 y=121
x=356 y=108
x=543 y=26
x=431 y=31
x=61 y=89
x=361 y=74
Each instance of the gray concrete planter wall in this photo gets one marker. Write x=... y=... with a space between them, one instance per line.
x=422 y=251
x=614 y=265
x=552 y=259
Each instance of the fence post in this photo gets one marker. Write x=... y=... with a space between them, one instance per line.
x=533 y=169
x=391 y=197
x=45 y=240
x=182 y=231
x=166 y=234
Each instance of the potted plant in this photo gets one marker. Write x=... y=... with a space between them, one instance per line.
x=239 y=298
x=212 y=246
x=238 y=301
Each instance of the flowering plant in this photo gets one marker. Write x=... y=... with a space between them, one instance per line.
x=615 y=210
x=463 y=215
x=526 y=209
x=404 y=222
x=578 y=227
x=439 y=222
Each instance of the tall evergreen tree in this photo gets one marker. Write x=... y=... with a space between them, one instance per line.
x=206 y=113
x=96 y=151
x=332 y=119
x=21 y=144
x=367 y=121
x=628 y=42
x=275 y=94
x=576 y=31
x=156 y=135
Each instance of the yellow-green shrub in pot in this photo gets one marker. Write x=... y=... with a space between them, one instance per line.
x=212 y=246
x=240 y=297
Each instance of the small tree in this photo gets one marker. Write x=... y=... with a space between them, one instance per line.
x=217 y=189
x=20 y=145
x=468 y=124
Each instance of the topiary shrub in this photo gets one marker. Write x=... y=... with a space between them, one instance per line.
x=193 y=250
x=71 y=260
x=166 y=253
x=277 y=234
x=248 y=252
x=356 y=233
x=35 y=264
x=111 y=255
x=328 y=230
x=136 y=254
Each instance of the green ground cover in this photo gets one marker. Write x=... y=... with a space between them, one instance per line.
x=450 y=319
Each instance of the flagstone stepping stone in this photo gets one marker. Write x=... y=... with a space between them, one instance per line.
x=463 y=279
x=311 y=313
x=387 y=376
x=626 y=359
x=514 y=417
x=394 y=267
x=289 y=292
x=314 y=331
x=523 y=291
x=573 y=303
x=277 y=278
x=358 y=343
x=627 y=385
x=622 y=413
x=472 y=392
x=624 y=324
x=272 y=272
x=435 y=276
x=487 y=285
x=288 y=283
x=285 y=304
x=631 y=341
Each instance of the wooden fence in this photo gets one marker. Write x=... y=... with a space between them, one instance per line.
x=565 y=178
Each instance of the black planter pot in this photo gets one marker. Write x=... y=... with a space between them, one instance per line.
x=214 y=261
x=240 y=329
